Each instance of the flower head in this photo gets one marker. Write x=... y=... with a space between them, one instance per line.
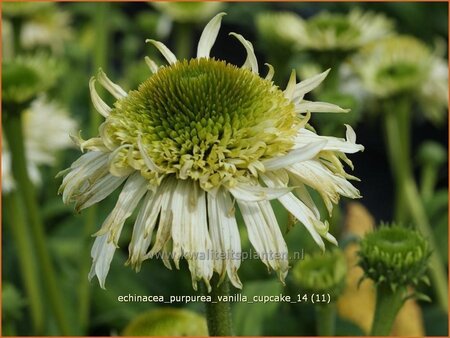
x=196 y=140
x=42 y=143
x=405 y=65
x=333 y=31
x=322 y=273
x=188 y=11
x=394 y=256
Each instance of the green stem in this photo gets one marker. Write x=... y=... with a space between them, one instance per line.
x=101 y=22
x=326 y=319
x=218 y=313
x=410 y=194
x=13 y=131
x=388 y=304
x=25 y=252
x=428 y=181
x=183 y=40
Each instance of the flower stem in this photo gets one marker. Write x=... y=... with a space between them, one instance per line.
x=410 y=195
x=25 y=251
x=101 y=22
x=388 y=304
x=326 y=319
x=13 y=132
x=218 y=313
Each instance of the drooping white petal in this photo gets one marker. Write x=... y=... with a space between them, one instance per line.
x=151 y=64
x=251 y=61
x=327 y=184
x=163 y=234
x=318 y=107
x=225 y=236
x=132 y=192
x=110 y=86
x=304 y=153
x=289 y=91
x=169 y=56
x=97 y=101
x=305 y=137
x=102 y=253
x=253 y=193
x=98 y=191
x=308 y=85
x=265 y=235
x=143 y=228
x=88 y=168
x=209 y=36
x=270 y=73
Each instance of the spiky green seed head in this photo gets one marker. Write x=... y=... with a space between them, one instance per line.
x=322 y=272
x=203 y=119
x=394 y=256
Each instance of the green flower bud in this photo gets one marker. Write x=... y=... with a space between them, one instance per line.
x=167 y=322
x=322 y=273
x=394 y=256
x=432 y=153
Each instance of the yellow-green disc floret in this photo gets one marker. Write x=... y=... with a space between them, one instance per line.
x=206 y=120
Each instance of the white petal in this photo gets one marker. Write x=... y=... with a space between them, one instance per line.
x=98 y=191
x=298 y=209
x=318 y=107
x=209 y=36
x=265 y=235
x=98 y=103
x=305 y=137
x=224 y=235
x=308 y=85
x=110 y=86
x=304 y=153
x=163 y=234
x=151 y=64
x=170 y=57
x=270 y=73
x=289 y=91
x=102 y=253
x=251 y=61
x=253 y=193
x=132 y=192
x=350 y=134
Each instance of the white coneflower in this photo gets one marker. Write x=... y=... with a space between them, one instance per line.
x=45 y=127
x=188 y=11
x=197 y=140
x=405 y=65
x=335 y=31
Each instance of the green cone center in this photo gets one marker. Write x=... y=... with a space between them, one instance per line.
x=205 y=119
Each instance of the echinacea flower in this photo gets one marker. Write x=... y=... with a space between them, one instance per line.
x=334 y=31
x=405 y=65
x=196 y=140
x=46 y=126
x=188 y=11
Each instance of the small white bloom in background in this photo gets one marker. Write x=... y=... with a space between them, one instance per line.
x=335 y=31
x=197 y=140
x=405 y=65
x=51 y=29
x=46 y=129
x=188 y=11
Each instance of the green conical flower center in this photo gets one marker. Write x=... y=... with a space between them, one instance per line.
x=394 y=255
x=205 y=119
x=340 y=25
